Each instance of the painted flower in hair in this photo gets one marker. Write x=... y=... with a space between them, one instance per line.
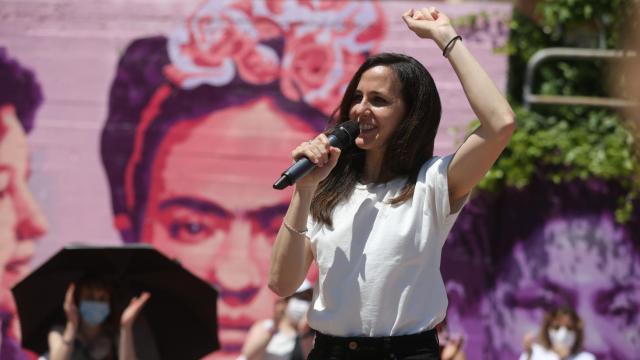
x=311 y=47
x=216 y=42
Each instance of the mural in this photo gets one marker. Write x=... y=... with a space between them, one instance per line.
x=166 y=123
x=21 y=220
x=563 y=248
x=193 y=136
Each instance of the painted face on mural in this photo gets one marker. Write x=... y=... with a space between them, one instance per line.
x=21 y=220
x=211 y=205
x=584 y=262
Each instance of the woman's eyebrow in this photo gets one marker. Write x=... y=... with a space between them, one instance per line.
x=566 y=293
x=199 y=205
x=604 y=297
x=268 y=212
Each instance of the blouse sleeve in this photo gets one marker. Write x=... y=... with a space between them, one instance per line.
x=434 y=176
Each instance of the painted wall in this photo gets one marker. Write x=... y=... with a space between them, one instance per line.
x=151 y=129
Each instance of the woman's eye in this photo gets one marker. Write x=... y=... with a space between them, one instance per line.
x=622 y=307
x=379 y=101
x=189 y=232
x=268 y=226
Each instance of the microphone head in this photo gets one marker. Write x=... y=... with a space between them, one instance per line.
x=345 y=133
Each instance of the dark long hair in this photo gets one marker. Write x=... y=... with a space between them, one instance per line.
x=20 y=88
x=409 y=146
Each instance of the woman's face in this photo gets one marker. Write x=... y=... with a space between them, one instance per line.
x=93 y=293
x=584 y=262
x=21 y=220
x=378 y=106
x=212 y=206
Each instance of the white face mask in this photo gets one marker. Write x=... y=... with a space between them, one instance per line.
x=296 y=309
x=562 y=337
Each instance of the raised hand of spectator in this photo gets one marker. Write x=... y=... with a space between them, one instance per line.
x=70 y=308
x=130 y=314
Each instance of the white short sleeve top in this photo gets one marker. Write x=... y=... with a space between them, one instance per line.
x=379 y=265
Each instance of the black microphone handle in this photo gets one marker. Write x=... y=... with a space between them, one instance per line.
x=300 y=168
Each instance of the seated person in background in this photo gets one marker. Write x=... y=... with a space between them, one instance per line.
x=305 y=339
x=450 y=344
x=560 y=338
x=277 y=338
x=92 y=330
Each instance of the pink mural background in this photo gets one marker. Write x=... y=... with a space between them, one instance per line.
x=73 y=47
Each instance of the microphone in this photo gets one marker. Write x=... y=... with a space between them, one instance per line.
x=342 y=137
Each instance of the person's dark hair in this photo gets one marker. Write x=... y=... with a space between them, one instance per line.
x=409 y=146
x=92 y=282
x=129 y=140
x=20 y=88
x=553 y=314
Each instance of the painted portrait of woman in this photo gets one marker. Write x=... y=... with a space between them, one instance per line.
x=22 y=222
x=202 y=122
x=565 y=249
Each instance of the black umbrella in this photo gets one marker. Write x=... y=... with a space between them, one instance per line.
x=180 y=316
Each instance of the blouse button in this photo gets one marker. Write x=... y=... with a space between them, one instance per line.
x=353 y=345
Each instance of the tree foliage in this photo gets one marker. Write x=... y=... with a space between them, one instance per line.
x=566 y=143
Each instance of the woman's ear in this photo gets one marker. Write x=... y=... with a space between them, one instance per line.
x=7 y=111
x=122 y=223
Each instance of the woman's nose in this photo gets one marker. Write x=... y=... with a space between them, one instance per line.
x=32 y=223
x=593 y=339
x=361 y=110
x=236 y=271
x=236 y=266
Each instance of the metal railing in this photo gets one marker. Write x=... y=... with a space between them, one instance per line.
x=572 y=53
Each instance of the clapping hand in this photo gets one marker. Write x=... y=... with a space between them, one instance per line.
x=70 y=308
x=130 y=314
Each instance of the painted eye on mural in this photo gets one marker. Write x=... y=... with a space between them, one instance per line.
x=192 y=227
x=269 y=227
x=267 y=220
x=623 y=306
x=189 y=232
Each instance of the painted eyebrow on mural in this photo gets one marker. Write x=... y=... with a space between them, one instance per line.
x=199 y=205
x=265 y=215
x=605 y=298
x=567 y=294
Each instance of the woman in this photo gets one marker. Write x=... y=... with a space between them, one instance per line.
x=92 y=330
x=380 y=212
x=278 y=338
x=450 y=344
x=560 y=338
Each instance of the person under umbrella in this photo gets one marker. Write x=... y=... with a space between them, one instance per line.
x=92 y=330
x=178 y=322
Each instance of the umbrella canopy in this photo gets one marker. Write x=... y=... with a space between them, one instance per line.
x=180 y=315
